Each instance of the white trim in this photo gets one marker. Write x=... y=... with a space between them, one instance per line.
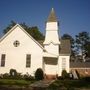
x=47 y=43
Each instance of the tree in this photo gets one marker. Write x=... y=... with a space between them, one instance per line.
x=36 y=34
x=9 y=27
x=39 y=75
x=87 y=47
x=33 y=31
x=83 y=42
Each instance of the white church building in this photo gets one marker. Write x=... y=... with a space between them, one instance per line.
x=20 y=51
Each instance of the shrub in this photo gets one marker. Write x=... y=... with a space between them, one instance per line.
x=31 y=78
x=60 y=78
x=13 y=73
x=28 y=77
x=86 y=78
x=39 y=75
x=19 y=76
x=6 y=76
x=65 y=75
x=1 y=76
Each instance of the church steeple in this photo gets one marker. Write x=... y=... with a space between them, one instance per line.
x=52 y=16
x=51 y=42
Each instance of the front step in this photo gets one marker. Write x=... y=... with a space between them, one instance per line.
x=50 y=77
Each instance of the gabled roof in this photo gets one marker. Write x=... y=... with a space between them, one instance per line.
x=52 y=16
x=17 y=25
x=65 y=47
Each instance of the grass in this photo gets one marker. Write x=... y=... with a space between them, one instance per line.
x=15 y=82
x=69 y=84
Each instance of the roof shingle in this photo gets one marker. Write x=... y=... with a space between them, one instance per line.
x=65 y=47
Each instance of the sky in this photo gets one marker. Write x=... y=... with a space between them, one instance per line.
x=73 y=15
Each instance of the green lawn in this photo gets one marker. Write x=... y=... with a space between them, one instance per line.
x=15 y=82
x=70 y=84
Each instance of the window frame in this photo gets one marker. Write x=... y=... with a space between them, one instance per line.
x=16 y=43
x=3 y=58
x=63 y=63
x=28 y=60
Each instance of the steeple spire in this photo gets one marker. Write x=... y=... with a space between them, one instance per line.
x=52 y=16
x=52 y=30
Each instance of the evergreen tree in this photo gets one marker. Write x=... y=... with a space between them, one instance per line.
x=33 y=31
x=9 y=27
x=83 y=42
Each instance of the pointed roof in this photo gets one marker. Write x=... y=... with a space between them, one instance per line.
x=52 y=16
x=13 y=28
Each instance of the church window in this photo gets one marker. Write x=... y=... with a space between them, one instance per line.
x=3 y=60
x=63 y=63
x=28 y=60
x=16 y=43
